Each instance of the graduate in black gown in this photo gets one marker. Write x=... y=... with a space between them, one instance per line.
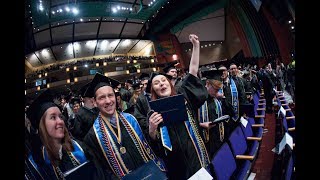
x=235 y=95
x=142 y=105
x=86 y=115
x=183 y=149
x=214 y=107
x=116 y=137
x=171 y=70
x=53 y=151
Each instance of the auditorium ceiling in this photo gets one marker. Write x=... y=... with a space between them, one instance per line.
x=59 y=30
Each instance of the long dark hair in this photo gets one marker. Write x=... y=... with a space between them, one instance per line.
x=46 y=141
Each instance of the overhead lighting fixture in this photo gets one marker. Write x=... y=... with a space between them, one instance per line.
x=154 y=69
x=134 y=61
x=81 y=19
x=48 y=85
x=75 y=68
x=46 y=74
x=290 y=21
x=38 y=88
x=67 y=9
x=67 y=69
x=40 y=76
x=292 y=27
x=128 y=61
x=68 y=81
x=106 y=74
x=152 y=60
x=76 y=79
x=127 y=71
x=138 y=70
x=97 y=64
x=75 y=11
x=104 y=63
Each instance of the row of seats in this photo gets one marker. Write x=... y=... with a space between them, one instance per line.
x=236 y=156
x=286 y=119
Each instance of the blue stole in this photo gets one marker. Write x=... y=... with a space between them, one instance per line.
x=77 y=157
x=204 y=117
x=218 y=107
x=110 y=148
x=234 y=100
x=32 y=170
x=195 y=137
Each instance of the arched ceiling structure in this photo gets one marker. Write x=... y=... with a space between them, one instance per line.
x=60 y=30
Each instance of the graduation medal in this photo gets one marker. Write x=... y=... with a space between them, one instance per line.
x=123 y=150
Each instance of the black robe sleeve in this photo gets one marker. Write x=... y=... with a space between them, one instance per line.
x=194 y=91
x=140 y=113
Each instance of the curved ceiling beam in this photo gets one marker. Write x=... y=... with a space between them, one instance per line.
x=197 y=16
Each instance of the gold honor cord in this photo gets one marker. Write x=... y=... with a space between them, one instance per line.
x=122 y=149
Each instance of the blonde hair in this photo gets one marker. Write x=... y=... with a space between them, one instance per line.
x=215 y=83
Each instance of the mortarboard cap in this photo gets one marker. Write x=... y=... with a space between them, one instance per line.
x=99 y=81
x=84 y=91
x=39 y=106
x=144 y=76
x=75 y=100
x=170 y=66
x=136 y=86
x=212 y=74
x=129 y=81
x=154 y=74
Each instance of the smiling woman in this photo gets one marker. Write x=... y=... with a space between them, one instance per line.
x=57 y=152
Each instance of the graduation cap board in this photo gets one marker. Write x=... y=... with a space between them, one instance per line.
x=75 y=100
x=39 y=106
x=84 y=91
x=144 y=76
x=99 y=81
x=170 y=66
x=212 y=74
x=136 y=86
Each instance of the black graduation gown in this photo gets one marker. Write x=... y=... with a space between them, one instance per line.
x=214 y=142
x=131 y=158
x=64 y=165
x=140 y=113
x=182 y=162
x=242 y=99
x=84 y=119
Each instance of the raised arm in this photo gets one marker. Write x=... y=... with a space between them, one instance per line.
x=195 y=57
